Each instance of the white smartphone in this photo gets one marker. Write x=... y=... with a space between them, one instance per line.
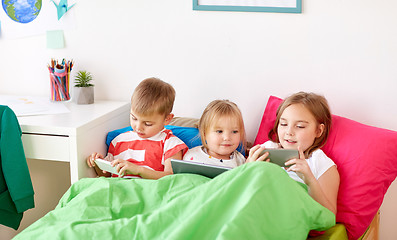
x=106 y=166
x=280 y=156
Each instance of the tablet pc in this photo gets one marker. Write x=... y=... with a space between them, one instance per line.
x=211 y=171
x=280 y=156
x=106 y=166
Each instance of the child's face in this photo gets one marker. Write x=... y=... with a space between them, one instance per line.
x=223 y=137
x=298 y=127
x=148 y=126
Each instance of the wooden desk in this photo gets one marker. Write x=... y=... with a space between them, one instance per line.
x=71 y=137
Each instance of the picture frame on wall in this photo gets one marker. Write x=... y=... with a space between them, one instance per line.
x=279 y=6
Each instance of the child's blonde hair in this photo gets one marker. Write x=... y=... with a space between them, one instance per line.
x=215 y=110
x=153 y=96
x=317 y=105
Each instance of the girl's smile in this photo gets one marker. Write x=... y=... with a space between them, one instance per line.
x=298 y=128
x=223 y=137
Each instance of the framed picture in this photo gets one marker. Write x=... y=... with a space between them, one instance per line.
x=280 y=6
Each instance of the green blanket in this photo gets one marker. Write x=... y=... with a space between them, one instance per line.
x=254 y=201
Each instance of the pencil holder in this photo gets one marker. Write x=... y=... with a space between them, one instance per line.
x=59 y=80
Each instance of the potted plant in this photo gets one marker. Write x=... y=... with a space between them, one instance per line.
x=83 y=88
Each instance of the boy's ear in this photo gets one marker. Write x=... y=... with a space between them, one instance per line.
x=168 y=119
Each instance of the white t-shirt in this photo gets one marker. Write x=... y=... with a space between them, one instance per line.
x=198 y=154
x=318 y=162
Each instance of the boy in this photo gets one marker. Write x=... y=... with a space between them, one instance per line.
x=147 y=150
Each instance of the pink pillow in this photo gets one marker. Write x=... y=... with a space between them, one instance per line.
x=367 y=163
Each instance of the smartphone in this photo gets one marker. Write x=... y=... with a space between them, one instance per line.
x=280 y=156
x=106 y=166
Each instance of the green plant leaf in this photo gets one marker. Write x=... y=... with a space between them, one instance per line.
x=83 y=79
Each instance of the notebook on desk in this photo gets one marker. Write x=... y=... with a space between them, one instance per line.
x=211 y=171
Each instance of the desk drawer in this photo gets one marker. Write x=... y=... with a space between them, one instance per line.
x=46 y=147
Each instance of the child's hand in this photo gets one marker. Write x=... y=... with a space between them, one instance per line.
x=123 y=167
x=91 y=159
x=301 y=167
x=254 y=153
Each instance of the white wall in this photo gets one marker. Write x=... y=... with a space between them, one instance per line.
x=346 y=50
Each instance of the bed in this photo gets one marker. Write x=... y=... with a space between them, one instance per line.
x=244 y=203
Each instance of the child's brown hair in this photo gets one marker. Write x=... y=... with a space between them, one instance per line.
x=151 y=96
x=317 y=105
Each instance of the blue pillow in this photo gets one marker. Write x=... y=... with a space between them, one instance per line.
x=190 y=136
